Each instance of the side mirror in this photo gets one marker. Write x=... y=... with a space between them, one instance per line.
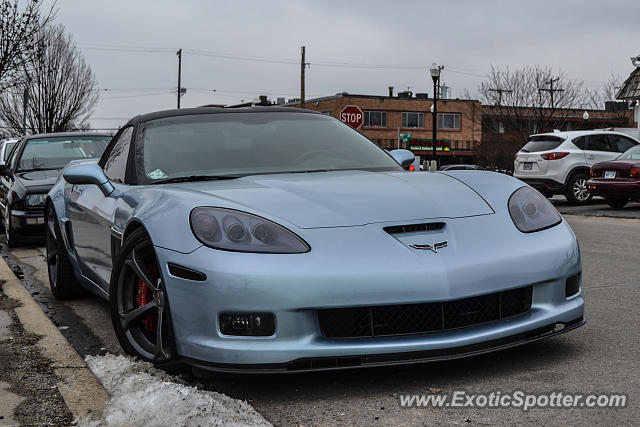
x=88 y=173
x=5 y=170
x=404 y=157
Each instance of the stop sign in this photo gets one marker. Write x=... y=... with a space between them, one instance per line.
x=352 y=115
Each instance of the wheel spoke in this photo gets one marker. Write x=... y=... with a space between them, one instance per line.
x=162 y=351
x=141 y=271
x=136 y=314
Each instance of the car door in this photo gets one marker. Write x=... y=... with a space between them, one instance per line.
x=91 y=214
x=597 y=148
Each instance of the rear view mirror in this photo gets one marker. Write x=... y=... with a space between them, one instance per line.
x=88 y=173
x=404 y=157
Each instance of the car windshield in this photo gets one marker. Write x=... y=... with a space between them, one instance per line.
x=631 y=154
x=56 y=152
x=7 y=149
x=542 y=143
x=239 y=144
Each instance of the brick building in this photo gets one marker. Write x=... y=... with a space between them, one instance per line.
x=458 y=134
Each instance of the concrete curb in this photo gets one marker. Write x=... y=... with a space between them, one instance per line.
x=81 y=390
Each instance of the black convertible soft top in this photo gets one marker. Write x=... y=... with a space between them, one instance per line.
x=213 y=110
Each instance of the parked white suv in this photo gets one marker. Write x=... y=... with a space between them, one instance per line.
x=559 y=162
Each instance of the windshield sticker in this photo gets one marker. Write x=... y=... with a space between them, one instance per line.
x=157 y=174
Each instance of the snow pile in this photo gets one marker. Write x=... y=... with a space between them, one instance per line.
x=142 y=395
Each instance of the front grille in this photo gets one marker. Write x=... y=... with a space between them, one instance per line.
x=423 y=318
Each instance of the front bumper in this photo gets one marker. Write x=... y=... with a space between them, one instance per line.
x=352 y=272
x=28 y=224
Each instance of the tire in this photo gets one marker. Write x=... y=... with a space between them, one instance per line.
x=577 y=192
x=617 y=202
x=9 y=234
x=136 y=282
x=62 y=279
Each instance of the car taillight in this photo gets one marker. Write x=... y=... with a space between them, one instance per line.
x=634 y=172
x=594 y=174
x=412 y=168
x=554 y=155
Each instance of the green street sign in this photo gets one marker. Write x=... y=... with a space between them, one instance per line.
x=405 y=135
x=405 y=139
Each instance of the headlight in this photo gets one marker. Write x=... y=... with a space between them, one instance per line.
x=531 y=211
x=232 y=230
x=35 y=200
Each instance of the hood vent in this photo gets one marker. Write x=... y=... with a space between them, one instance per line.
x=414 y=228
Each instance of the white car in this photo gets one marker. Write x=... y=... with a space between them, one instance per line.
x=559 y=162
x=5 y=149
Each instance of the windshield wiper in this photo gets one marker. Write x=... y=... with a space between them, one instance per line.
x=194 y=178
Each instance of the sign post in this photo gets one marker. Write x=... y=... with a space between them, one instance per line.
x=352 y=115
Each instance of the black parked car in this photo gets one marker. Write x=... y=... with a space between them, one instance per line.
x=31 y=171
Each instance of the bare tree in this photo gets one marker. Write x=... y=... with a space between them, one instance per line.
x=61 y=85
x=20 y=33
x=528 y=100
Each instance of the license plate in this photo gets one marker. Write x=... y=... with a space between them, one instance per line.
x=527 y=166
x=35 y=221
x=609 y=174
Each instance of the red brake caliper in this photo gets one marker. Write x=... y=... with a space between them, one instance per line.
x=144 y=297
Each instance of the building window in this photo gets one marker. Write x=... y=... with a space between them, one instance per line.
x=449 y=121
x=376 y=119
x=412 y=120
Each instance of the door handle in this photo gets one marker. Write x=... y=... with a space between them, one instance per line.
x=591 y=157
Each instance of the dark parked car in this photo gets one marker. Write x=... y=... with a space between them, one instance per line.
x=31 y=171
x=618 y=181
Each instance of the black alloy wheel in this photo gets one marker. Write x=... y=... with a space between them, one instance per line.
x=139 y=304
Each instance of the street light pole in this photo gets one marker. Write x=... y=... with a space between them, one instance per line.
x=435 y=75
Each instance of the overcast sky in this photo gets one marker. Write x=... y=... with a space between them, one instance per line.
x=131 y=46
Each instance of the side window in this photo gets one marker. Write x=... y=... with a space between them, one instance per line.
x=115 y=166
x=597 y=143
x=621 y=143
x=579 y=142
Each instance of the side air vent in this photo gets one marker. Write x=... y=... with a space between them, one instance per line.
x=412 y=228
x=186 y=273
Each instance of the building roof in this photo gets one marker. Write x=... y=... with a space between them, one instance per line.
x=396 y=97
x=631 y=87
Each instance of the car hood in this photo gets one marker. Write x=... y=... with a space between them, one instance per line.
x=347 y=198
x=40 y=178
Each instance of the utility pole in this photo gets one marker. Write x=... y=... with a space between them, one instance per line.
x=25 y=106
x=500 y=92
x=179 y=53
x=302 y=67
x=551 y=90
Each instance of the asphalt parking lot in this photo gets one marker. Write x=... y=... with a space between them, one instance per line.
x=602 y=356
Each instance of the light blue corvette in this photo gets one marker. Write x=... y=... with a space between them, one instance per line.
x=278 y=240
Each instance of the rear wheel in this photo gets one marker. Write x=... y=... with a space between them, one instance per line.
x=617 y=202
x=139 y=304
x=62 y=280
x=577 y=192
